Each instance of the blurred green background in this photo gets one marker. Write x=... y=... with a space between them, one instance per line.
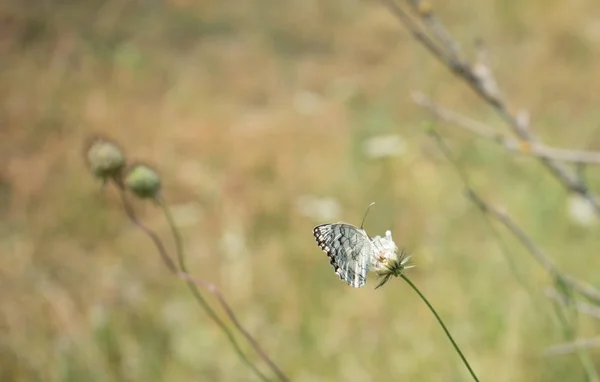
x=266 y=118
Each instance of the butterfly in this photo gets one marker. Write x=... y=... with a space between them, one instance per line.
x=349 y=249
x=352 y=252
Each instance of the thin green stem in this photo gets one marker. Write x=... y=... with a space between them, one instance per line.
x=567 y=314
x=588 y=365
x=442 y=325
x=464 y=177
x=198 y=296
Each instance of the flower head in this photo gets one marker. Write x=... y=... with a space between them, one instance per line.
x=105 y=158
x=389 y=260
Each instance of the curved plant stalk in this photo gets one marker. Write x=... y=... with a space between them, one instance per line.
x=169 y=263
x=442 y=325
x=198 y=296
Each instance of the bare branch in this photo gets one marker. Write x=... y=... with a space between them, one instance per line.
x=585 y=308
x=538 y=254
x=571 y=347
x=425 y=11
x=416 y=31
x=459 y=66
x=487 y=132
x=502 y=216
x=471 y=125
x=574 y=156
x=483 y=70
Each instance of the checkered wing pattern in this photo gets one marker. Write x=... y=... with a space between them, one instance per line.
x=349 y=249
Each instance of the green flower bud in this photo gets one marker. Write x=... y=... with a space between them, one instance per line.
x=143 y=181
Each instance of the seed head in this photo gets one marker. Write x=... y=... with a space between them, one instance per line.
x=105 y=158
x=143 y=181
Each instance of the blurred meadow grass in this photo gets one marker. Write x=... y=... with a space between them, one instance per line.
x=254 y=113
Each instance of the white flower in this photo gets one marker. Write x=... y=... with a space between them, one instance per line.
x=386 y=251
x=581 y=211
x=307 y=103
x=389 y=260
x=383 y=146
x=319 y=208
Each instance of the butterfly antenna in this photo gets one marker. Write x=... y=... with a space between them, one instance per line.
x=366 y=212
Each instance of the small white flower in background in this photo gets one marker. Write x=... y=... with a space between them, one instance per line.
x=233 y=244
x=317 y=208
x=581 y=211
x=99 y=315
x=387 y=262
x=186 y=214
x=238 y=271
x=383 y=146
x=343 y=89
x=307 y=103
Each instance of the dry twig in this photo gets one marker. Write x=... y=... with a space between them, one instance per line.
x=582 y=307
x=538 y=254
x=571 y=347
x=502 y=216
x=443 y=49
x=487 y=132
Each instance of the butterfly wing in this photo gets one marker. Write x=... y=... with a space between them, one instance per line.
x=349 y=249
